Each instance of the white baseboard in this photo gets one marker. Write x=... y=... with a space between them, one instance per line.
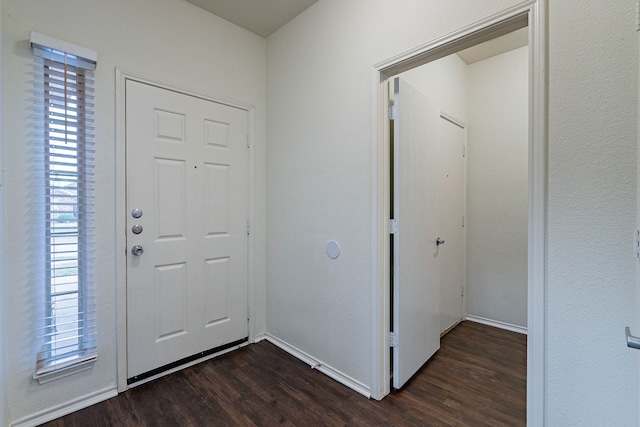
x=66 y=408
x=322 y=367
x=497 y=324
x=259 y=337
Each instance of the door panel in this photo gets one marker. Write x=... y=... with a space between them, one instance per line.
x=416 y=271
x=170 y=286
x=216 y=185
x=451 y=202
x=217 y=290
x=170 y=207
x=187 y=170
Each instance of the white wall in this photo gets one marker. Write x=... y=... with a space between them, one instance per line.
x=319 y=104
x=319 y=164
x=168 y=40
x=592 y=378
x=446 y=83
x=491 y=96
x=497 y=188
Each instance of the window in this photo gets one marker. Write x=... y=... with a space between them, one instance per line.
x=63 y=88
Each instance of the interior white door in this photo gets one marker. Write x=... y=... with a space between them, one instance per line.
x=187 y=209
x=416 y=271
x=451 y=152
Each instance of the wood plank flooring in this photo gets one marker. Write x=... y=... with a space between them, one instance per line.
x=477 y=378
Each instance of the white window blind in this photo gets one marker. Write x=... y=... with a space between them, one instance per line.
x=63 y=124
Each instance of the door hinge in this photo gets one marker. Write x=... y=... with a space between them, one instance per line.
x=393 y=226
x=636 y=244
x=393 y=112
x=248 y=313
x=248 y=141
x=248 y=227
x=393 y=339
x=462 y=221
x=464 y=150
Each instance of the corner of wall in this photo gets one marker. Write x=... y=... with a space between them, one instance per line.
x=3 y=344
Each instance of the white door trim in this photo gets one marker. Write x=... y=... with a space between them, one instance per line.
x=534 y=12
x=121 y=241
x=461 y=124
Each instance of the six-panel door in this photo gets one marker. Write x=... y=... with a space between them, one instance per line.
x=187 y=174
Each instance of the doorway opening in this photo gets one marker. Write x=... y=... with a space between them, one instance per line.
x=527 y=19
x=453 y=236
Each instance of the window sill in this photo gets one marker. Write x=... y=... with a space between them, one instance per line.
x=82 y=364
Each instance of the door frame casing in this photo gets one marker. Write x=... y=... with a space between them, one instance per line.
x=534 y=13
x=463 y=125
x=121 y=199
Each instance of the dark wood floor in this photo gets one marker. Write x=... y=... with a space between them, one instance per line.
x=477 y=378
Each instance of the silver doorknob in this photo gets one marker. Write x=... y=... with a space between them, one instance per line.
x=137 y=250
x=439 y=242
x=136 y=229
x=136 y=213
x=632 y=342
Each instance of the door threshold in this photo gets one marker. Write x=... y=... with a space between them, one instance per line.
x=187 y=361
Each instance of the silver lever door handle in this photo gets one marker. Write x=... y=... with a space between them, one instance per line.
x=632 y=342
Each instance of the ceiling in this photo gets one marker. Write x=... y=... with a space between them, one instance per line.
x=261 y=17
x=493 y=47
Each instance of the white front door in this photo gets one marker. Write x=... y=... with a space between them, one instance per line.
x=187 y=211
x=452 y=140
x=416 y=269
